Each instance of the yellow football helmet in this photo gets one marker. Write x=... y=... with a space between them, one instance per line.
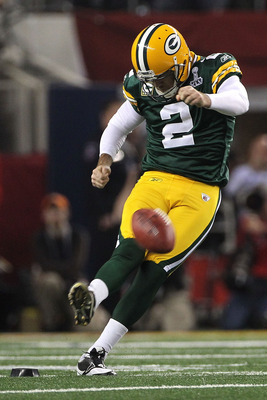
x=156 y=52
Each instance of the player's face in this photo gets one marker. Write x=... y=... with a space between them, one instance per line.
x=55 y=216
x=165 y=83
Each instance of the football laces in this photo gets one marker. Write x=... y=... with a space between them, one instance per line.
x=165 y=216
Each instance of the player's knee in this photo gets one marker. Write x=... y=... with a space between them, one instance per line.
x=128 y=251
x=153 y=272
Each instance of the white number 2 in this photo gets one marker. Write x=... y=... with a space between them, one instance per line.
x=184 y=126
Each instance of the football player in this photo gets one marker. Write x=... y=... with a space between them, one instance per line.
x=189 y=103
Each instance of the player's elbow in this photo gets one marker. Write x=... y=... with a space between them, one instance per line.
x=242 y=106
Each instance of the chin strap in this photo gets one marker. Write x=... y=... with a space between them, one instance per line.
x=170 y=93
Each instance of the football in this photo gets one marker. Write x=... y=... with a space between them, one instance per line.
x=153 y=230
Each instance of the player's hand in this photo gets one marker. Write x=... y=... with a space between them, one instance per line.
x=193 y=97
x=100 y=176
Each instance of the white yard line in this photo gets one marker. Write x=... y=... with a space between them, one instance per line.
x=154 y=368
x=132 y=388
x=203 y=373
x=41 y=367
x=185 y=356
x=196 y=344
x=167 y=344
x=171 y=373
x=139 y=357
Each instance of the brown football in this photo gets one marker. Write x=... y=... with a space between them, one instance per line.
x=153 y=230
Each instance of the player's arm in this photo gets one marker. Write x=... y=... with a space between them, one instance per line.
x=231 y=98
x=193 y=97
x=100 y=175
x=120 y=125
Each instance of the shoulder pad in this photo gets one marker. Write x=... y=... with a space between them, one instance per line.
x=131 y=87
x=219 y=58
x=225 y=65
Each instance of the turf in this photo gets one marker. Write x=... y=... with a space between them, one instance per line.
x=178 y=365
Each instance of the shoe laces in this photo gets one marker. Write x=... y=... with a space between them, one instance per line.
x=97 y=355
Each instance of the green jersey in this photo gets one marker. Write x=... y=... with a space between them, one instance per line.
x=187 y=140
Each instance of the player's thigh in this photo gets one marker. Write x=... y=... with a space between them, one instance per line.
x=145 y=194
x=192 y=220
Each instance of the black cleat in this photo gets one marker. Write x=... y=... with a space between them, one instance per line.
x=82 y=301
x=93 y=363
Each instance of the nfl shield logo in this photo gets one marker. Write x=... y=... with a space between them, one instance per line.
x=205 y=197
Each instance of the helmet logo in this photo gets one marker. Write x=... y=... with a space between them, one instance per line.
x=172 y=44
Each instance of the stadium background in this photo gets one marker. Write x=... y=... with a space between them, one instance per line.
x=57 y=71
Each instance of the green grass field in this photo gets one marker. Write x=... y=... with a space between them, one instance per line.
x=176 y=365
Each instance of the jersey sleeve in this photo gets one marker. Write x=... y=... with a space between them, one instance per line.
x=131 y=88
x=225 y=65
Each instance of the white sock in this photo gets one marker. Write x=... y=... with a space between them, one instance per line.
x=100 y=290
x=111 y=334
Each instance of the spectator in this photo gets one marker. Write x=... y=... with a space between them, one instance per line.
x=9 y=297
x=247 y=176
x=247 y=271
x=102 y=4
x=190 y=5
x=60 y=253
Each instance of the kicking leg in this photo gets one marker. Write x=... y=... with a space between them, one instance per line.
x=130 y=308
x=84 y=300
x=140 y=294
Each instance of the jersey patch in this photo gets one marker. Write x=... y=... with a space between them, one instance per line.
x=147 y=89
x=197 y=80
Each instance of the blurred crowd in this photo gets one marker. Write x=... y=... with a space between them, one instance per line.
x=145 y=6
x=140 y=7
x=234 y=292
x=247 y=268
